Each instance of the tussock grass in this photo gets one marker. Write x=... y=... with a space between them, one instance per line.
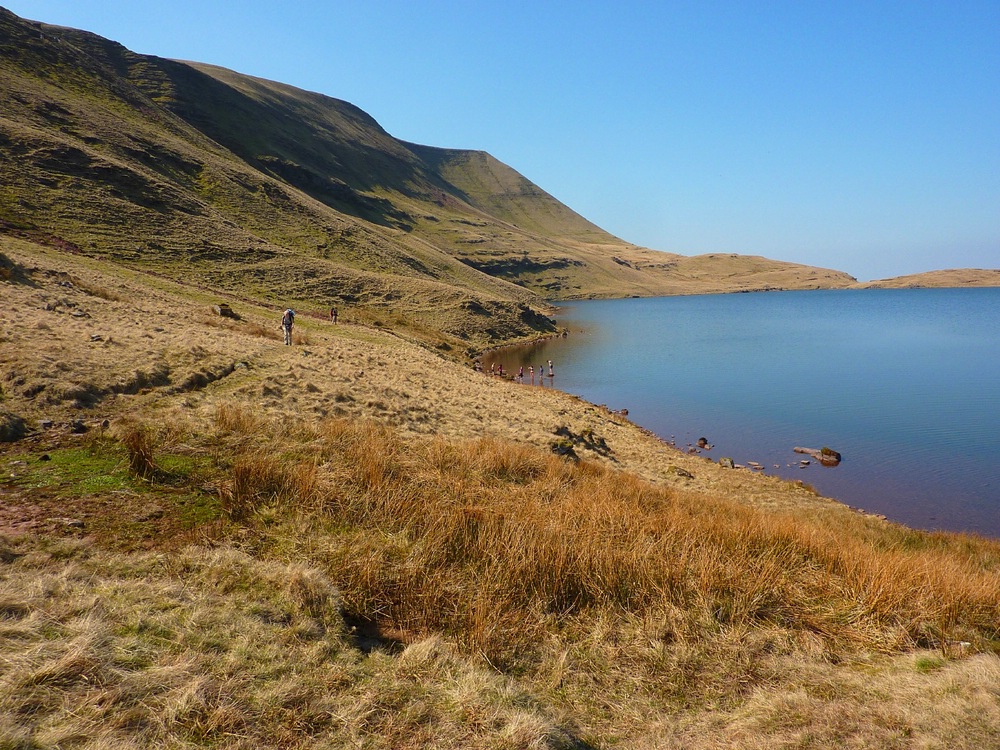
x=614 y=610
x=713 y=610
x=492 y=543
x=215 y=648
x=139 y=445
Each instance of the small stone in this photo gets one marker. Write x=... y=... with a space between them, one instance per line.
x=77 y=427
x=45 y=457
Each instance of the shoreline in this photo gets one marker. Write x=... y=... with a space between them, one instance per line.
x=857 y=484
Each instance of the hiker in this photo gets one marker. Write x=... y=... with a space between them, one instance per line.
x=286 y=325
x=551 y=371
x=333 y=314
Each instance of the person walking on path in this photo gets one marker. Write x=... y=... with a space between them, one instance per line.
x=287 y=320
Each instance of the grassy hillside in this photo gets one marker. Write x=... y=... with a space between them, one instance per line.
x=210 y=539
x=284 y=195
x=94 y=164
x=955 y=277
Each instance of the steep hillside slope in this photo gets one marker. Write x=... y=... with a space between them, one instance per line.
x=93 y=163
x=292 y=197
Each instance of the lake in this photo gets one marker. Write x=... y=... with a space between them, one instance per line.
x=905 y=384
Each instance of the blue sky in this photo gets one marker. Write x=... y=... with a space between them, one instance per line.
x=861 y=136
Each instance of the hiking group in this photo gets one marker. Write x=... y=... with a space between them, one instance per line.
x=288 y=320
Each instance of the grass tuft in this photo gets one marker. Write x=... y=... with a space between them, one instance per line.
x=139 y=444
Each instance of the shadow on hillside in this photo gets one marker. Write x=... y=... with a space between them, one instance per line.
x=14 y=273
x=287 y=139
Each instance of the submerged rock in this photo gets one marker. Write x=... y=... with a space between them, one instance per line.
x=826 y=456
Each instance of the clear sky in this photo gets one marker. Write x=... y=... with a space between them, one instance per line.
x=857 y=135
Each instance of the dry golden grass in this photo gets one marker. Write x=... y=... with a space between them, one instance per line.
x=212 y=648
x=138 y=443
x=626 y=604
x=462 y=529
x=955 y=277
x=691 y=604
x=621 y=612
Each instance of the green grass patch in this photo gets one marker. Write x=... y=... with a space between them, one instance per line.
x=927 y=664
x=71 y=472
x=198 y=508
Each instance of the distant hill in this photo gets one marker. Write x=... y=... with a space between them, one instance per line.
x=283 y=195
x=948 y=278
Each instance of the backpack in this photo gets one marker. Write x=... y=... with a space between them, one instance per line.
x=288 y=318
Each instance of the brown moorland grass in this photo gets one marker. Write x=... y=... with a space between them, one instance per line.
x=953 y=277
x=625 y=603
x=212 y=648
x=465 y=528
x=617 y=611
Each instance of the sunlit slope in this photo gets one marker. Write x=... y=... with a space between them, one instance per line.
x=466 y=203
x=293 y=197
x=947 y=278
x=94 y=159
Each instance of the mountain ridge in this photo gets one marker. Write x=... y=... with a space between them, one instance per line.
x=262 y=188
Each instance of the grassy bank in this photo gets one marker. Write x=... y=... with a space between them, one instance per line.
x=348 y=585
x=356 y=541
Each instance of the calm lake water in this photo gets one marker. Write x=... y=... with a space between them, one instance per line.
x=905 y=384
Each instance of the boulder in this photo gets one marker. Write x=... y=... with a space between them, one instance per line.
x=12 y=427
